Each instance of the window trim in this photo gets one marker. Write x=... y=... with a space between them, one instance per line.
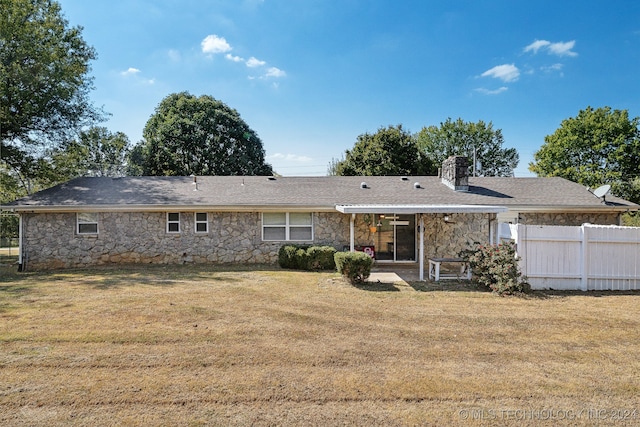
x=287 y=227
x=173 y=222
x=79 y=223
x=196 y=222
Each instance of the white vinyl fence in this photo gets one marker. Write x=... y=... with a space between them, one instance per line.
x=588 y=257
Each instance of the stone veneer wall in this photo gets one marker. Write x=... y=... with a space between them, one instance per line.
x=571 y=219
x=50 y=239
x=446 y=239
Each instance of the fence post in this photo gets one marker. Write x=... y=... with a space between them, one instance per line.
x=584 y=268
x=520 y=246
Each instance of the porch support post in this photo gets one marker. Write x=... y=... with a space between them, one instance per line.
x=421 y=251
x=352 y=233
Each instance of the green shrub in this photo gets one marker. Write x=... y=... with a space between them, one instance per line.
x=304 y=257
x=631 y=219
x=354 y=266
x=321 y=258
x=287 y=256
x=496 y=267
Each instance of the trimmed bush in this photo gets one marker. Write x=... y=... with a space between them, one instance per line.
x=321 y=258
x=288 y=256
x=354 y=266
x=496 y=268
x=304 y=257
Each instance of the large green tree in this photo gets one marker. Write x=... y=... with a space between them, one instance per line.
x=44 y=74
x=201 y=136
x=598 y=146
x=97 y=152
x=389 y=151
x=44 y=89
x=462 y=138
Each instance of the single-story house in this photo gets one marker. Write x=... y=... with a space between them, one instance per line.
x=246 y=219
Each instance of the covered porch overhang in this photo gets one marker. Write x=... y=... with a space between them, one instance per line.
x=412 y=209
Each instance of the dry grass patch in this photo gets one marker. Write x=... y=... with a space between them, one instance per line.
x=200 y=346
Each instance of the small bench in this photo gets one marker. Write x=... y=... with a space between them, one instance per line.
x=435 y=274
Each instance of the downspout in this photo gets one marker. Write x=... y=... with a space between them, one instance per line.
x=421 y=251
x=20 y=226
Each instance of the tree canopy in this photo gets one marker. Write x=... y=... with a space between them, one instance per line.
x=389 y=151
x=189 y=135
x=44 y=92
x=97 y=152
x=461 y=138
x=598 y=146
x=44 y=74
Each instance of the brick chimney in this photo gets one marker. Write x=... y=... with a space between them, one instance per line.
x=455 y=173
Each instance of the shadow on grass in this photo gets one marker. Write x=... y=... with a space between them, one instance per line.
x=13 y=283
x=10 y=293
x=124 y=279
x=9 y=260
x=447 y=286
x=377 y=287
x=550 y=293
x=112 y=276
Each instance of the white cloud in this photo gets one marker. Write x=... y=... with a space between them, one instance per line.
x=233 y=58
x=289 y=157
x=275 y=72
x=130 y=72
x=554 y=67
x=213 y=44
x=537 y=45
x=505 y=72
x=134 y=73
x=558 y=48
x=491 y=92
x=563 y=48
x=255 y=62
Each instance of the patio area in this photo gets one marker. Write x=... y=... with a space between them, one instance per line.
x=406 y=277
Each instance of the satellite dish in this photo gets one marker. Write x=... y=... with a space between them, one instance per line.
x=602 y=191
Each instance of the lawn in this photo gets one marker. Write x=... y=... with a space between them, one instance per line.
x=231 y=346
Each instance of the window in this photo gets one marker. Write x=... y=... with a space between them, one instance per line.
x=287 y=226
x=173 y=222
x=87 y=222
x=202 y=222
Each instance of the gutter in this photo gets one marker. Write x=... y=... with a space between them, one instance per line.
x=573 y=209
x=174 y=208
x=413 y=209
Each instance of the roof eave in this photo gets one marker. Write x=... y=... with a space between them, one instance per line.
x=166 y=208
x=574 y=209
x=414 y=209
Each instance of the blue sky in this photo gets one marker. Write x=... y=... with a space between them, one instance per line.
x=309 y=76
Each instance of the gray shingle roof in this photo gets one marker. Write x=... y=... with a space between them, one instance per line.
x=248 y=192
